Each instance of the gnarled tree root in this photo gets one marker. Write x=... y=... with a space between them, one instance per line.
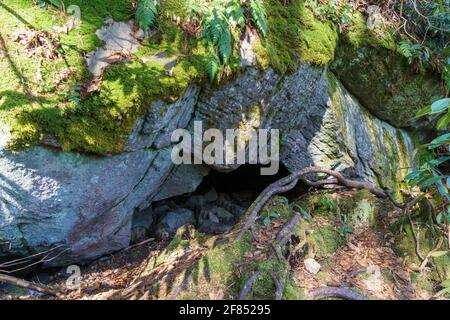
x=289 y=182
x=248 y=286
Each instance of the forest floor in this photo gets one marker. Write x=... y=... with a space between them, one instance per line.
x=365 y=263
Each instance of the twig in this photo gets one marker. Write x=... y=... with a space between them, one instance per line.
x=427 y=258
x=28 y=285
x=336 y=292
x=138 y=244
x=29 y=259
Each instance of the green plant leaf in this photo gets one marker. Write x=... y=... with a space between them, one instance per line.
x=424 y=111
x=443 y=121
x=440 y=105
x=439 y=141
x=438 y=254
x=146 y=13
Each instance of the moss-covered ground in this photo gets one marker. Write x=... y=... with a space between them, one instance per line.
x=102 y=121
x=35 y=103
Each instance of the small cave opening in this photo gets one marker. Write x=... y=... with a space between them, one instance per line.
x=218 y=203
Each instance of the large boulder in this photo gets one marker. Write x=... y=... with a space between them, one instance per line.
x=85 y=204
x=320 y=123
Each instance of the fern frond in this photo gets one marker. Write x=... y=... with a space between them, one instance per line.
x=259 y=15
x=146 y=13
x=405 y=49
x=213 y=65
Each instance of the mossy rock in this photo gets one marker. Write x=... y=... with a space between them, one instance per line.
x=294 y=36
x=224 y=268
x=358 y=209
x=322 y=240
x=372 y=69
x=102 y=121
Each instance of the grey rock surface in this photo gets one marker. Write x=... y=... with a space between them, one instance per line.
x=320 y=123
x=173 y=220
x=183 y=179
x=84 y=203
x=119 y=37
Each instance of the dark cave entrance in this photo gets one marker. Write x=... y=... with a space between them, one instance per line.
x=218 y=203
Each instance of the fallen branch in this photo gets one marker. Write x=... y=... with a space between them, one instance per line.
x=336 y=292
x=289 y=182
x=28 y=285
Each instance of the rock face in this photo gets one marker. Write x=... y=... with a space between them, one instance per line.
x=86 y=204
x=320 y=123
x=82 y=203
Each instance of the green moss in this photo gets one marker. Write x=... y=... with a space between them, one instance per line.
x=326 y=241
x=318 y=39
x=322 y=240
x=292 y=291
x=356 y=209
x=294 y=36
x=278 y=205
x=422 y=281
x=103 y=121
x=389 y=87
x=359 y=35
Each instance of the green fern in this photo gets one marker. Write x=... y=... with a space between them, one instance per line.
x=146 y=13
x=259 y=16
x=213 y=65
x=405 y=50
x=219 y=18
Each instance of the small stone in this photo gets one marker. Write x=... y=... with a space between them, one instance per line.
x=224 y=215
x=312 y=266
x=211 y=195
x=213 y=218
x=172 y=221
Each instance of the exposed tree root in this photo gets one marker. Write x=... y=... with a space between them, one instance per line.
x=336 y=292
x=279 y=287
x=289 y=182
x=248 y=286
x=287 y=230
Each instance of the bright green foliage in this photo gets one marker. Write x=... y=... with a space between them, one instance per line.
x=333 y=10
x=218 y=21
x=101 y=122
x=146 y=13
x=429 y=175
x=414 y=52
x=259 y=15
